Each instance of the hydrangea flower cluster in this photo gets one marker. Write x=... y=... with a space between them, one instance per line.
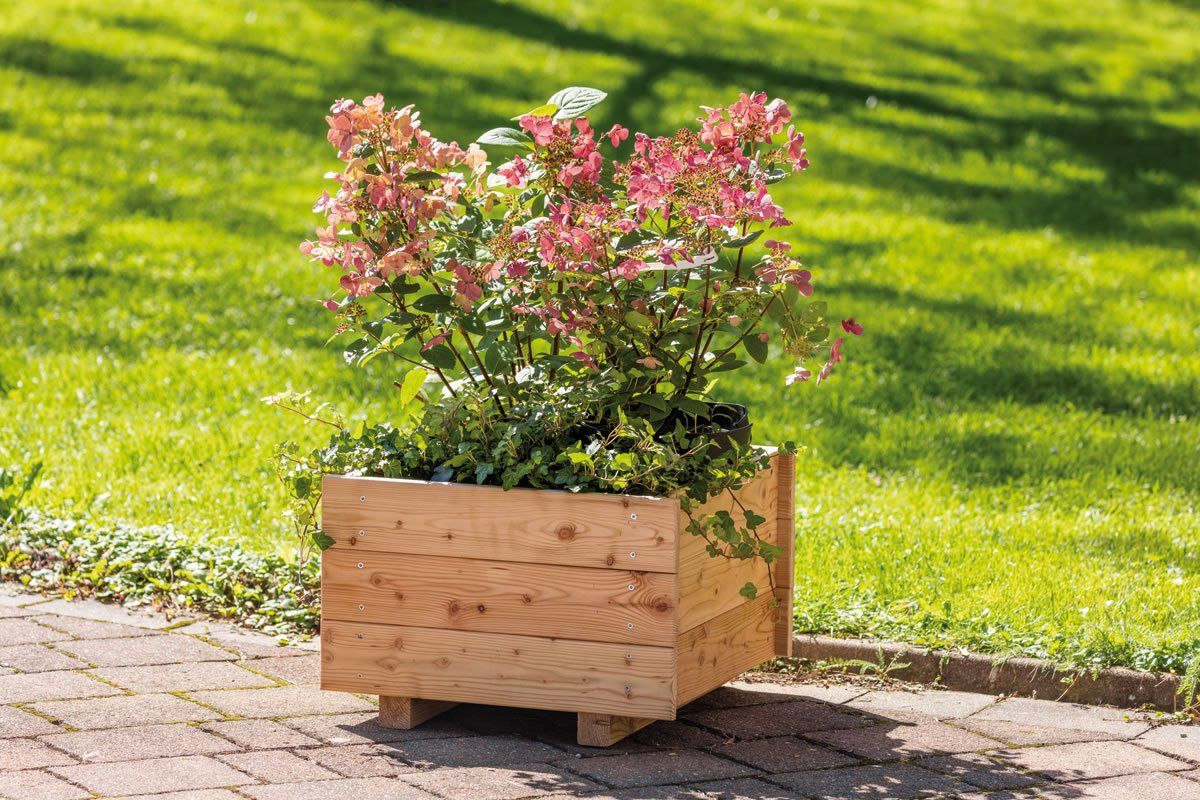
x=628 y=261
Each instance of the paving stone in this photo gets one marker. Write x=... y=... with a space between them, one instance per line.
x=1195 y=775
x=304 y=670
x=357 y=761
x=477 y=751
x=34 y=687
x=139 y=743
x=1048 y=714
x=891 y=781
x=638 y=793
x=736 y=695
x=107 y=612
x=282 y=701
x=1181 y=741
x=1158 y=786
x=22 y=630
x=784 y=754
x=204 y=794
x=255 y=645
x=154 y=775
x=836 y=693
x=191 y=677
x=892 y=741
x=775 y=719
x=742 y=789
x=1076 y=762
x=650 y=769
x=493 y=783
x=670 y=735
x=118 y=712
x=277 y=766
x=260 y=734
x=1014 y=794
x=982 y=771
x=133 y=652
x=15 y=722
x=19 y=754
x=364 y=788
x=80 y=628
x=1021 y=734
x=38 y=785
x=365 y=729
x=936 y=704
x=37 y=658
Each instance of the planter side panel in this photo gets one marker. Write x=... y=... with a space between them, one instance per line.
x=785 y=567
x=525 y=525
x=604 y=605
x=498 y=669
x=725 y=647
x=708 y=587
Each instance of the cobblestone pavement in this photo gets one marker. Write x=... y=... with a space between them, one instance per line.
x=99 y=702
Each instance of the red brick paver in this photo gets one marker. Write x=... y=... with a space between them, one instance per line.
x=98 y=702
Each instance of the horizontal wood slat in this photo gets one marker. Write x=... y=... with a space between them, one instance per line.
x=724 y=647
x=498 y=669
x=527 y=525
x=606 y=605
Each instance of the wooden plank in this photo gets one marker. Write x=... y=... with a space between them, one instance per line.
x=605 y=730
x=725 y=647
x=599 y=605
x=405 y=713
x=539 y=526
x=498 y=669
x=708 y=586
x=785 y=567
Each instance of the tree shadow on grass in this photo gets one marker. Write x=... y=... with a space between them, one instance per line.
x=53 y=60
x=1146 y=164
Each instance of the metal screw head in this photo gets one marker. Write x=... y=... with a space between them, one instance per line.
x=360 y=565
x=360 y=674
x=631 y=587
x=633 y=516
x=358 y=635
x=362 y=498
x=362 y=533
x=633 y=553
x=629 y=625
x=361 y=606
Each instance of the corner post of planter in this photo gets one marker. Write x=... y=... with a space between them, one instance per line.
x=605 y=730
x=784 y=568
x=405 y=713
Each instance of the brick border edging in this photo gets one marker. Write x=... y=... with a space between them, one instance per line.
x=972 y=672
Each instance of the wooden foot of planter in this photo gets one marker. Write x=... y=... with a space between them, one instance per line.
x=598 y=605
x=603 y=730
x=409 y=712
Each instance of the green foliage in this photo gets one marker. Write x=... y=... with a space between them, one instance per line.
x=1009 y=194
x=159 y=566
x=13 y=489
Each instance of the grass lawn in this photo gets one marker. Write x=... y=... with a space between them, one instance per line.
x=1006 y=195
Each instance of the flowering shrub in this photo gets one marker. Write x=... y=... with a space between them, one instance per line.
x=572 y=292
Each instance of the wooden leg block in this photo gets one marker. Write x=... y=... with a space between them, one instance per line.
x=409 y=712
x=603 y=730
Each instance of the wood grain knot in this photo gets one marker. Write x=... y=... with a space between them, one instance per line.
x=454 y=608
x=482 y=608
x=610 y=560
x=566 y=532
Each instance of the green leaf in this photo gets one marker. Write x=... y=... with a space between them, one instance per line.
x=412 y=383
x=546 y=110
x=756 y=347
x=505 y=137
x=749 y=591
x=423 y=176
x=635 y=238
x=574 y=101
x=742 y=241
x=322 y=540
x=440 y=356
x=774 y=175
x=637 y=319
x=433 y=303
x=482 y=471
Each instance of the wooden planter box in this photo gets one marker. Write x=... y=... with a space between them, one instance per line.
x=598 y=604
